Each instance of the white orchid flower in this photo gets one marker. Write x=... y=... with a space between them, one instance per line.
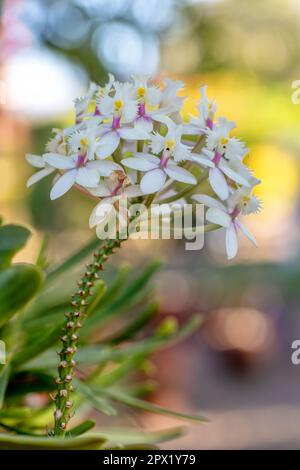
x=119 y=109
x=38 y=162
x=82 y=103
x=110 y=191
x=170 y=101
x=221 y=167
x=170 y=144
x=121 y=105
x=156 y=171
x=205 y=121
x=103 y=91
x=84 y=142
x=242 y=202
x=57 y=144
x=145 y=92
x=77 y=169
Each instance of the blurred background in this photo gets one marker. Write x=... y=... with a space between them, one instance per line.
x=237 y=370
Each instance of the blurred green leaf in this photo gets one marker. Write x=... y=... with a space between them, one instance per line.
x=132 y=294
x=41 y=260
x=134 y=402
x=12 y=239
x=136 y=325
x=99 y=292
x=82 y=428
x=116 y=285
x=29 y=382
x=98 y=403
x=88 y=442
x=124 y=437
x=15 y=413
x=18 y=285
x=4 y=377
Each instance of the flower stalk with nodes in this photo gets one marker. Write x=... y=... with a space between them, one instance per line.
x=129 y=141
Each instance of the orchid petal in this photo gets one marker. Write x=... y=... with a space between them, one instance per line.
x=208 y=201
x=233 y=175
x=180 y=174
x=107 y=145
x=39 y=175
x=202 y=161
x=101 y=190
x=133 y=191
x=219 y=217
x=63 y=184
x=140 y=164
x=218 y=183
x=104 y=167
x=133 y=134
x=61 y=162
x=153 y=181
x=231 y=241
x=246 y=232
x=87 y=178
x=35 y=160
x=99 y=212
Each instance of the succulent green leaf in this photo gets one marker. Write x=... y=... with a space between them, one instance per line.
x=88 y=442
x=18 y=285
x=12 y=239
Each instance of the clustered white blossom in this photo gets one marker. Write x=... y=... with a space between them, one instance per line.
x=129 y=140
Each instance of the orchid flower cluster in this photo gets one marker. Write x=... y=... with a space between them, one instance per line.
x=129 y=140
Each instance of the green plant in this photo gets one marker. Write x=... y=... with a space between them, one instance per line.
x=111 y=347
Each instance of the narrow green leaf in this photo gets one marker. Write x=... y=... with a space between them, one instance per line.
x=129 y=364
x=88 y=442
x=15 y=413
x=99 y=292
x=82 y=428
x=117 y=284
x=134 y=402
x=18 y=284
x=41 y=260
x=12 y=239
x=34 y=348
x=133 y=293
x=130 y=436
x=4 y=377
x=98 y=403
x=134 y=327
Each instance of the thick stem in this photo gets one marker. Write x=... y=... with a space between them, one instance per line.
x=69 y=338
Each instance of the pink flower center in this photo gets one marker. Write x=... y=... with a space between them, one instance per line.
x=164 y=161
x=210 y=123
x=217 y=158
x=142 y=109
x=81 y=160
x=235 y=213
x=116 y=124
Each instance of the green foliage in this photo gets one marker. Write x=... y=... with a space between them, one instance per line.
x=113 y=346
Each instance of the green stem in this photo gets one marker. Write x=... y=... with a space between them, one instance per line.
x=69 y=338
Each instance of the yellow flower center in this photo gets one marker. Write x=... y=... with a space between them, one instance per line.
x=84 y=142
x=224 y=141
x=245 y=200
x=141 y=92
x=170 y=144
x=118 y=105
